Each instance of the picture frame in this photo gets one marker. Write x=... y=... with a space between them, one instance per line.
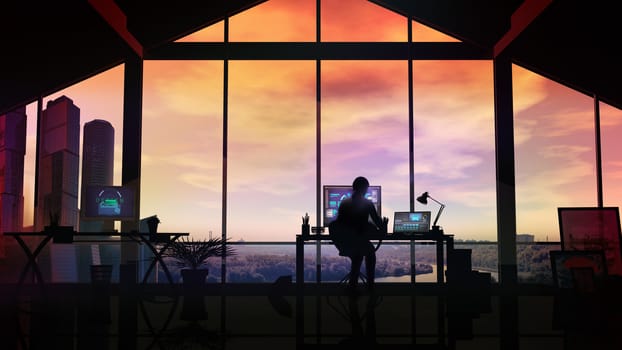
x=578 y=269
x=592 y=228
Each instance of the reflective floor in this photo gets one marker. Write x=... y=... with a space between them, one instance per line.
x=237 y=316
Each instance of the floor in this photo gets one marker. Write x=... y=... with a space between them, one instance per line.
x=285 y=316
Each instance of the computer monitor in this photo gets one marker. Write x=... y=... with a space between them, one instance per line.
x=334 y=194
x=109 y=202
x=411 y=222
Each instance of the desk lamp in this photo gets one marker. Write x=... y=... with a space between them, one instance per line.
x=423 y=199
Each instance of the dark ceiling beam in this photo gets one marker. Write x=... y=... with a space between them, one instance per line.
x=478 y=22
x=158 y=23
x=317 y=51
x=112 y=14
x=521 y=18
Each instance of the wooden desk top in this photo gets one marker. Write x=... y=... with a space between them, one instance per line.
x=434 y=236
x=90 y=234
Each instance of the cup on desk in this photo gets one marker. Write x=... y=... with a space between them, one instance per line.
x=306 y=230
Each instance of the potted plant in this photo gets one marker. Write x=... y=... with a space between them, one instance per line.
x=192 y=256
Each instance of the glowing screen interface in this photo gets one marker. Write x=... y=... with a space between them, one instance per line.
x=333 y=195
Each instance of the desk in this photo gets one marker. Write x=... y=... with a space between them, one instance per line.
x=438 y=237
x=62 y=234
x=151 y=240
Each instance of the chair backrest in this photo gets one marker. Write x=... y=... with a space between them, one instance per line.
x=339 y=233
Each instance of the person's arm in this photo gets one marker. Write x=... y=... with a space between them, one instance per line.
x=374 y=215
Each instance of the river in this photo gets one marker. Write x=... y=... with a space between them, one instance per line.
x=425 y=277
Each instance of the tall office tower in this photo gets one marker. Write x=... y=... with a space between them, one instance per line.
x=12 y=152
x=97 y=167
x=57 y=180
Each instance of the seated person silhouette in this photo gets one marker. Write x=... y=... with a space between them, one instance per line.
x=356 y=220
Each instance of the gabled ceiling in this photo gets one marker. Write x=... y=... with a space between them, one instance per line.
x=50 y=45
x=569 y=41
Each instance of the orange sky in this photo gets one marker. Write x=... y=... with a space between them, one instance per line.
x=271 y=120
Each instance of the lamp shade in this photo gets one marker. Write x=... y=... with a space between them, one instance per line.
x=423 y=199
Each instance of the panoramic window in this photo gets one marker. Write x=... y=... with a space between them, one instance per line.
x=555 y=155
x=454 y=145
x=271 y=149
x=212 y=33
x=275 y=20
x=97 y=98
x=611 y=128
x=360 y=21
x=181 y=176
x=365 y=127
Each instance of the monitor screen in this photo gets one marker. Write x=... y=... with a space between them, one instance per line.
x=333 y=195
x=109 y=202
x=411 y=221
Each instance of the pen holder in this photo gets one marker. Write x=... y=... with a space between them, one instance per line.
x=306 y=230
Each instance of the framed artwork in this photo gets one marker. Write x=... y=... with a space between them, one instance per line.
x=578 y=269
x=592 y=228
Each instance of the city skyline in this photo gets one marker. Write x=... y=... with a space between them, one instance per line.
x=272 y=108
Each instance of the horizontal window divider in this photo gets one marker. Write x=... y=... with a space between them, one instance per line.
x=318 y=51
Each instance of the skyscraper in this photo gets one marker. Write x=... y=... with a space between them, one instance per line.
x=97 y=167
x=12 y=152
x=57 y=179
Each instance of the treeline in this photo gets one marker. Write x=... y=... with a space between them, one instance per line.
x=392 y=260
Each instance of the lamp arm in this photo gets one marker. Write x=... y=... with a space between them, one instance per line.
x=438 y=215
x=440 y=210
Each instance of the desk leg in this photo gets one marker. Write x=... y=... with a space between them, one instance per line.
x=440 y=261
x=449 y=248
x=300 y=252
x=413 y=262
x=157 y=257
x=32 y=258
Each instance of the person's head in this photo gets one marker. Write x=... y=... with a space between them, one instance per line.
x=360 y=185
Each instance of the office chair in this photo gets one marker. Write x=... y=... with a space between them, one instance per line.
x=341 y=238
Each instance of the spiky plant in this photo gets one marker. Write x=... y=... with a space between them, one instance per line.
x=194 y=254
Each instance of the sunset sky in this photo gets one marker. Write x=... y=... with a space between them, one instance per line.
x=364 y=107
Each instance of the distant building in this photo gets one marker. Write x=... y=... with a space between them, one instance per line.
x=97 y=167
x=524 y=237
x=57 y=180
x=12 y=152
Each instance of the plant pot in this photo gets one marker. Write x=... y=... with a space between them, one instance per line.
x=193 y=307
x=194 y=278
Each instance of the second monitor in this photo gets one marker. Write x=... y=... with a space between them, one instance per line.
x=334 y=194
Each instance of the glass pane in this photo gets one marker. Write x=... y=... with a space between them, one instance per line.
x=365 y=127
x=275 y=20
x=271 y=154
x=360 y=20
x=182 y=146
x=454 y=145
x=99 y=97
x=213 y=33
x=423 y=33
x=71 y=151
x=534 y=263
x=554 y=148
x=611 y=143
